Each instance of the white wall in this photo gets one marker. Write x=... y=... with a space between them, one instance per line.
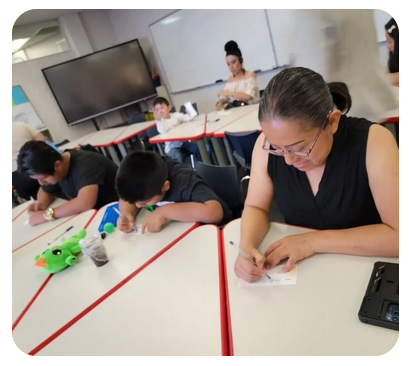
x=131 y=24
x=97 y=31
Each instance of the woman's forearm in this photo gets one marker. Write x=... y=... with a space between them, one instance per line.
x=254 y=226
x=240 y=96
x=371 y=240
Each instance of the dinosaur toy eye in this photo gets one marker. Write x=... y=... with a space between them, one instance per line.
x=57 y=251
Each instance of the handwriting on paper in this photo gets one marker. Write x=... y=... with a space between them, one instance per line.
x=278 y=278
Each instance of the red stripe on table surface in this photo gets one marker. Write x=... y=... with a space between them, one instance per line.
x=133 y=134
x=226 y=289
x=20 y=214
x=43 y=285
x=193 y=138
x=107 y=294
x=222 y=291
x=30 y=241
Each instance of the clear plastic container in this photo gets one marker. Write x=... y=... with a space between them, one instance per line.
x=93 y=247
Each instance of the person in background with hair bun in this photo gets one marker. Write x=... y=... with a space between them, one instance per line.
x=327 y=171
x=392 y=42
x=242 y=84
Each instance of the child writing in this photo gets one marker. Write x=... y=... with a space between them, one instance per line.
x=165 y=121
x=147 y=179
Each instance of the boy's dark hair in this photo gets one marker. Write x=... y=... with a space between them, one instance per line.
x=161 y=100
x=37 y=157
x=141 y=176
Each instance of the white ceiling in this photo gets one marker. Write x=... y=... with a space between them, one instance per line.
x=40 y=15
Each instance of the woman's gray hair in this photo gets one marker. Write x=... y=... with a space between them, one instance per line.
x=301 y=95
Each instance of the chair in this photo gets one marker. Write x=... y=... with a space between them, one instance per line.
x=89 y=147
x=183 y=108
x=173 y=110
x=153 y=131
x=136 y=118
x=242 y=145
x=260 y=92
x=224 y=182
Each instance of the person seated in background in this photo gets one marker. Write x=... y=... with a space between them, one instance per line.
x=392 y=42
x=165 y=121
x=242 y=84
x=24 y=185
x=86 y=178
x=147 y=179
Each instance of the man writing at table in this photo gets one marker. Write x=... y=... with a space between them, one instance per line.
x=86 y=178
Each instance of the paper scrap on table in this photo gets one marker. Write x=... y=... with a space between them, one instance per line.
x=277 y=278
x=223 y=113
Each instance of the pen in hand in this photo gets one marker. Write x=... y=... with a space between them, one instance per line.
x=120 y=215
x=246 y=256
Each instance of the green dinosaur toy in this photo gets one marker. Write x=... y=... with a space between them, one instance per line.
x=61 y=256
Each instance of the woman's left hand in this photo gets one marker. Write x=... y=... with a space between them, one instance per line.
x=293 y=247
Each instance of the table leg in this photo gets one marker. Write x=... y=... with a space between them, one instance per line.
x=219 y=151
x=229 y=151
x=203 y=151
x=122 y=150
x=114 y=155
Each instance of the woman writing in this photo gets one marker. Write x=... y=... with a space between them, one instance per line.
x=326 y=170
x=241 y=85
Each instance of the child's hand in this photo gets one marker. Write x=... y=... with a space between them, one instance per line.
x=154 y=222
x=125 y=223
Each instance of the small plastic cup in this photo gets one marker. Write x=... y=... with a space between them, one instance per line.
x=94 y=248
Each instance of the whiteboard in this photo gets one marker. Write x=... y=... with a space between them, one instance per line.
x=381 y=18
x=190 y=44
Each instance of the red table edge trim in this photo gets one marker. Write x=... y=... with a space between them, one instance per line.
x=116 y=142
x=41 y=288
x=108 y=293
x=212 y=134
x=390 y=120
x=193 y=138
x=20 y=214
x=113 y=142
x=226 y=286
x=223 y=294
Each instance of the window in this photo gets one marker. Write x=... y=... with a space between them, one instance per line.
x=36 y=40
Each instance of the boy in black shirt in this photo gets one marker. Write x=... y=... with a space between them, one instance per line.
x=86 y=178
x=146 y=179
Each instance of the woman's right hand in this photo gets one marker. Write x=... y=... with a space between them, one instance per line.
x=245 y=270
x=125 y=223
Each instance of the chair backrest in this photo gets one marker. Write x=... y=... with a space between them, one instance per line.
x=173 y=109
x=224 y=182
x=261 y=92
x=136 y=118
x=89 y=147
x=243 y=144
x=183 y=108
x=153 y=131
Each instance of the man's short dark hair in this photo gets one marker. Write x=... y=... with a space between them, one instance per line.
x=161 y=100
x=141 y=176
x=37 y=157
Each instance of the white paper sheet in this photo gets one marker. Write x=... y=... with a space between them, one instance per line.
x=277 y=278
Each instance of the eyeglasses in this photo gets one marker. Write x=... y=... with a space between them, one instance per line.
x=301 y=153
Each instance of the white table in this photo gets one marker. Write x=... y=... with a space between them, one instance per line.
x=27 y=278
x=172 y=307
x=222 y=119
x=18 y=210
x=193 y=130
x=76 y=288
x=246 y=123
x=75 y=143
x=23 y=232
x=316 y=316
x=131 y=131
x=105 y=139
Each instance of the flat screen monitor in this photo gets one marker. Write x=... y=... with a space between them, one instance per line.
x=101 y=82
